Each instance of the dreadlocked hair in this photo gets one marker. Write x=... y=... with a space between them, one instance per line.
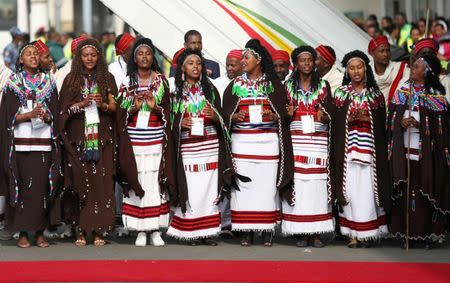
x=132 y=67
x=266 y=58
x=205 y=83
x=432 y=81
x=295 y=76
x=75 y=77
x=371 y=84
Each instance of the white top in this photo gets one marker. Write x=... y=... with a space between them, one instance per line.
x=221 y=84
x=5 y=73
x=445 y=81
x=119 y=70
x=61 y=74
x=385 y=80
x=334 y=78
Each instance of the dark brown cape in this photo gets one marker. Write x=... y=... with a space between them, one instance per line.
x=338 y=158
x=278 y=101
x=8 y=166
x=434 y=159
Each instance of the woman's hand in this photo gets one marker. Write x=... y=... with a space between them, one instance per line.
x=290 y=109
x=209 y=112
x=150 y=100
x=269 y=113
x=186 y=123
x=322 y=116
x=238 y=117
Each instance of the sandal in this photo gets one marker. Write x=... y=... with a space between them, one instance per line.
x=267 y=238
x=23 y=240
x=41 y=242
x=195 y=242
x=81 y=240
x=209 y=242
x=98 y=239
x=353 y=244
x=246 y=239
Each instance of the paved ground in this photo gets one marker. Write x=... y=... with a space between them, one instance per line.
x=283 y=249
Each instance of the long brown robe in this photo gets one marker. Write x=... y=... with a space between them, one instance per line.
x=429 y=176
x=30 y=180
x=91 y=183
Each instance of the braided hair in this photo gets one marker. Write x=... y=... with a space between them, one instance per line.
x=432 y=81
x=132 y=67
x=266 y=58
x=206 y=85
x=75 y=77
x=371 y=83
x=294 y=77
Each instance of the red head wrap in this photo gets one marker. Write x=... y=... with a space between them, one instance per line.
x=323 y=51
x=236 y=53
x=377 y=41
x=41 y=47
x=281 y=55
x=75 y=42
x=126 y=40
x=426 y=43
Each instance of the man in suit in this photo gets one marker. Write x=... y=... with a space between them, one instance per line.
x=193 y=40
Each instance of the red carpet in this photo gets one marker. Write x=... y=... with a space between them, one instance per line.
x=219 y=270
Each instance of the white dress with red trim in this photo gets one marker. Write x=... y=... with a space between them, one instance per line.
x=361 y=218
x=311 y=211
x=255 y=148
x=200 y=155
x=152 y=211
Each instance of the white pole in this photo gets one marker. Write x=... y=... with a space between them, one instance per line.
x=87 y=16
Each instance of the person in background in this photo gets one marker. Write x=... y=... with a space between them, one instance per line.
x=373 y=31
x=421 y=24
x=11 y=51
x=233 y=68
x=56 y=49
x=61 y=73
x=193 y=40
x=281 y=64
x=404 y=29
x=45 y=59
x=325 y=64
x=123 y=46
x=385 y=23
x=415 y=36
x=389 y=75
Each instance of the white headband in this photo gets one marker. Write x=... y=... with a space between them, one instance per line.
x=25 y=47
x=355 y=58
x=141 y=45
x=190 y=56
x=256 y=54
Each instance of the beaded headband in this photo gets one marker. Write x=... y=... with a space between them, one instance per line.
x=25 y=47
x=253 y=51
x=190 y=56
x=89 y=45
